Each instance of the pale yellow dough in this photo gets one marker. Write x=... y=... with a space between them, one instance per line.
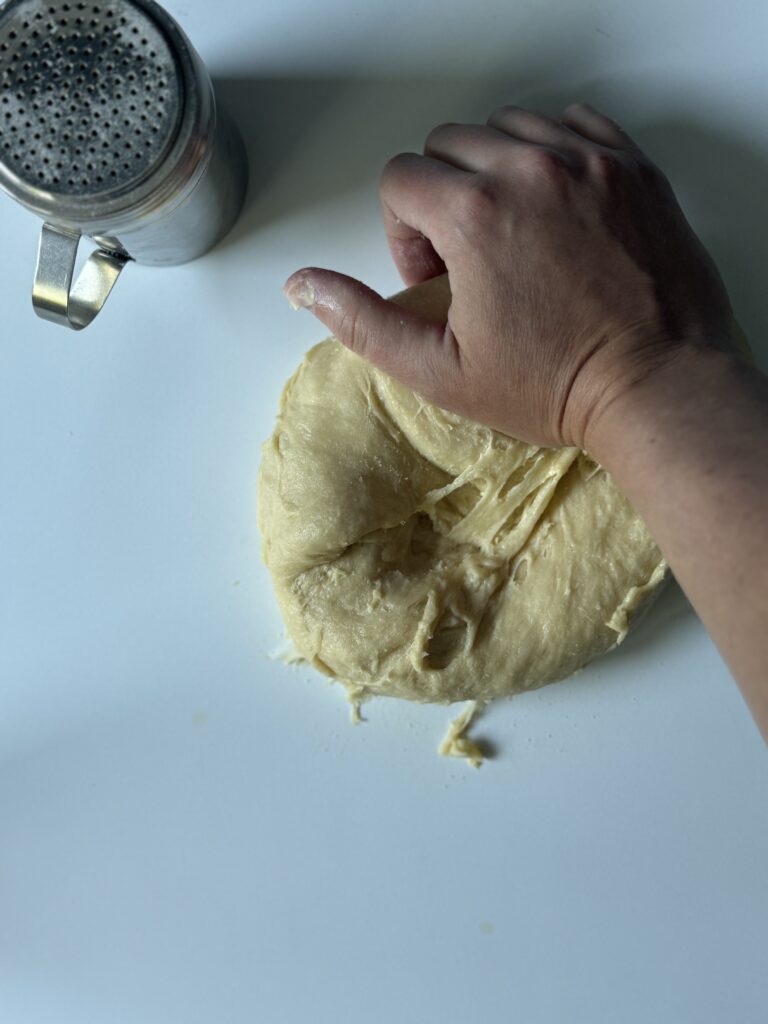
x=456 y=743
x=417 y=554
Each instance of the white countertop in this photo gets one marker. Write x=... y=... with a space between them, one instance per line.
x=191 y=831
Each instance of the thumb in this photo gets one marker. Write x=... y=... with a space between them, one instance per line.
x=421 y=353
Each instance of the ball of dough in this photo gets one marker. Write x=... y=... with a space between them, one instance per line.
x=417 y=554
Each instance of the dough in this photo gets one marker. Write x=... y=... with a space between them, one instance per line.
x=417 y=554
x=456 y=743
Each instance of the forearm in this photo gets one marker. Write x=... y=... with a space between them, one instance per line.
x=690 y=449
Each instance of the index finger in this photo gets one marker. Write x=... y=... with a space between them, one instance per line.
x=414 y=191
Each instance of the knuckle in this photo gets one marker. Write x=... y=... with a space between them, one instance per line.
x=396 y=167
x=478 y=204
x=605 y=166
x=578 y=108
x=440 y=131
x=546 y=164
x=504 y=112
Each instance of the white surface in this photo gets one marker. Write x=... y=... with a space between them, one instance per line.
x=192 y=832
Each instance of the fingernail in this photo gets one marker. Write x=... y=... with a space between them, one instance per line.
x=300 y=294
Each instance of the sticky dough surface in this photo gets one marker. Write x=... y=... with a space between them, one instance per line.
x=417 y=554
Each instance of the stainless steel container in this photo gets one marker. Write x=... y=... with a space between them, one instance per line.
x=109 y=128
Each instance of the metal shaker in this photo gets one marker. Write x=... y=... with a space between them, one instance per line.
x=109 y=128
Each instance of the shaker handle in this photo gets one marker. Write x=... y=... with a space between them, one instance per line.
x=53 y=295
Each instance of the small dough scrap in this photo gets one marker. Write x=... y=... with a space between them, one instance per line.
x=420 y=555
x=456 y=744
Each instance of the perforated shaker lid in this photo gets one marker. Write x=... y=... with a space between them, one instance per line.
x=91 y=94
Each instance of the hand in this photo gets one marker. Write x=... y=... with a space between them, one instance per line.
x=574 y=274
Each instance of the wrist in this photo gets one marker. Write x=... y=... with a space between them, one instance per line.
x=683 y=395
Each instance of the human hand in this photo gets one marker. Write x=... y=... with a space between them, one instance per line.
x=573 y=271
